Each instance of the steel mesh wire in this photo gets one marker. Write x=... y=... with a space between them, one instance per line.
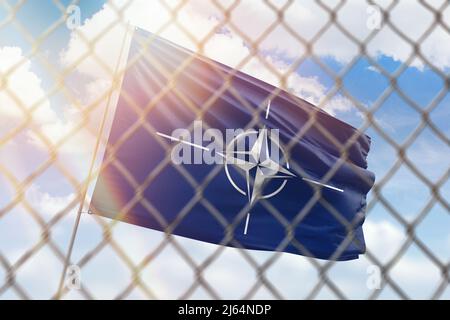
x=46 y=227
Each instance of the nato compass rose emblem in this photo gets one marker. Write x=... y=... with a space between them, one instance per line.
x=257 y=163
x=258 y=166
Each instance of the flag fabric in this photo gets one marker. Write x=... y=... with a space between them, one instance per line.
x=317 y=202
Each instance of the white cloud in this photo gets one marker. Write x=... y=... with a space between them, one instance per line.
x=199 y=19
x=21 y=90
x=383 y=238
x=373 y=69
x=36 y=271
x=306 y=18
x=46 y=204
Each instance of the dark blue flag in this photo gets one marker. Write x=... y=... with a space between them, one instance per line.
x=200 y=150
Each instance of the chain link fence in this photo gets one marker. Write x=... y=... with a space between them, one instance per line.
x=103 y=240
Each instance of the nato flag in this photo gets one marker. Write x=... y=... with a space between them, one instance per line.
x=171 y=163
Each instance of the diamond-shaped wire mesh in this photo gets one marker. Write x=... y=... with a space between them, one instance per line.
x=136 y=272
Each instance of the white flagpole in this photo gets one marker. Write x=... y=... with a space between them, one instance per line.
x=91 y=168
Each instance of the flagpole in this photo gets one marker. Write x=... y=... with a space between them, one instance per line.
x=91 y=168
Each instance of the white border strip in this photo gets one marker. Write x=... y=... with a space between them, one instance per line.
x=181 y=141
x=246 y=223
x=268 y=109
x=323 y=185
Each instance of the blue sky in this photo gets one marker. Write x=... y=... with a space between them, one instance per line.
x=404 y=191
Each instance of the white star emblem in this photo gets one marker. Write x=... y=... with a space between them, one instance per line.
x=259 y=167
